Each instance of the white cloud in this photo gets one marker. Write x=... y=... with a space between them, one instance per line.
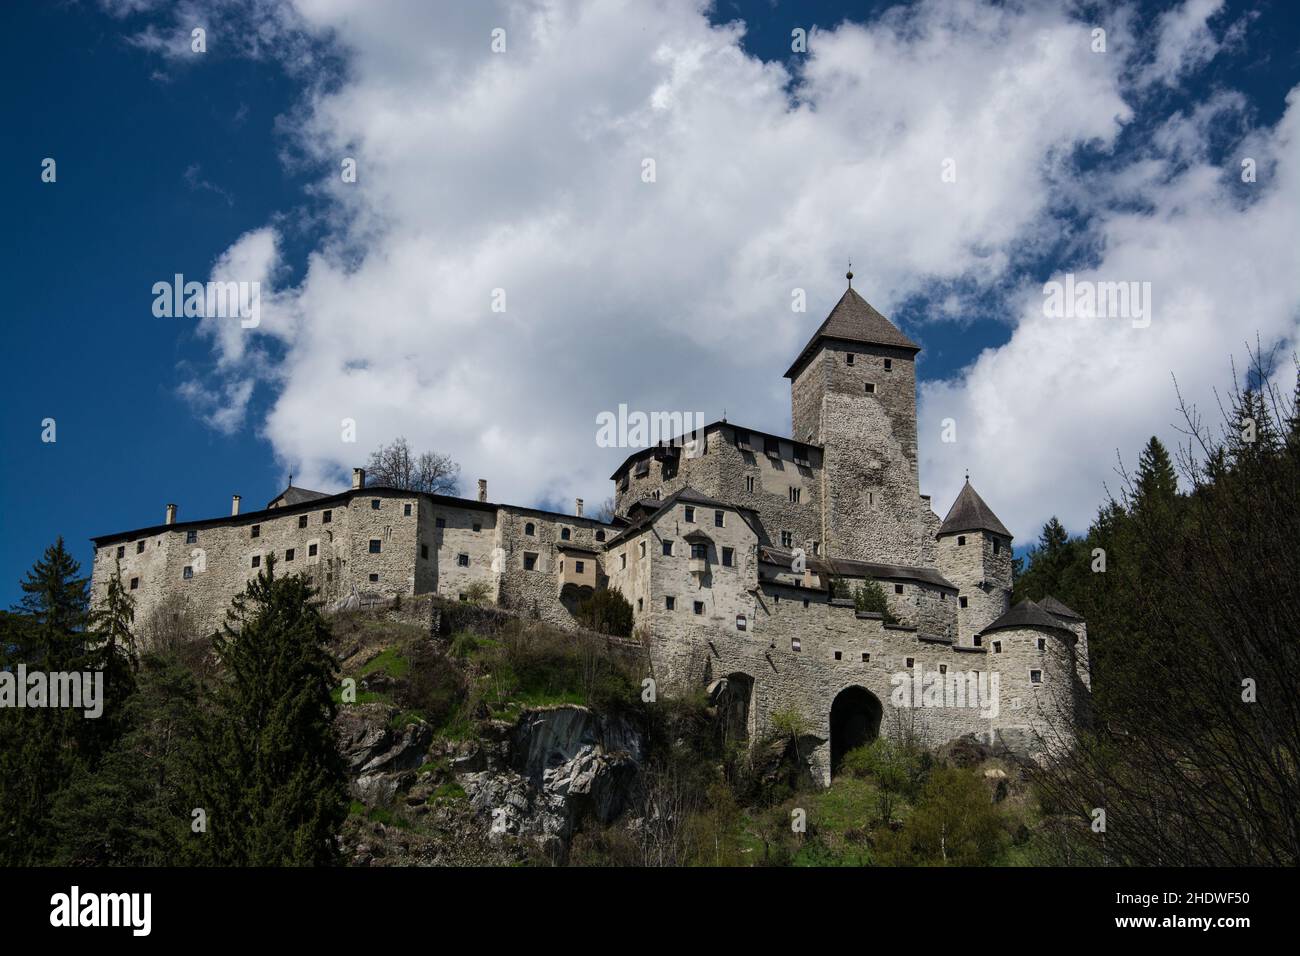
x=522 y=171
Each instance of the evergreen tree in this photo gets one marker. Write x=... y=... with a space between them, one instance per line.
x=135 y=808
x=1157 y=484
x=40 y=746
x=271 y=778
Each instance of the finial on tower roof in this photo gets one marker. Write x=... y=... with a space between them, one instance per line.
x=849 y=275
x=290 y=479
x=968 y=476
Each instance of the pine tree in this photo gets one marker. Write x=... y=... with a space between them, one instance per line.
x=1157 y=484
x=40 y=748
x=271 y=778
x=110 y=649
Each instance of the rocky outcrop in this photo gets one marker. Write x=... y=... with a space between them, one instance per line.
x=381 y=761
x=554 y=767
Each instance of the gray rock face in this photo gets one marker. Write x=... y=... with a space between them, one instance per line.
x=380 y=761
x=561 y=764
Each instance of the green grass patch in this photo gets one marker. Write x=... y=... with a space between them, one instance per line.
x=390 y=662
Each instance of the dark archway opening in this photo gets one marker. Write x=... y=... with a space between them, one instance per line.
x=855 y=720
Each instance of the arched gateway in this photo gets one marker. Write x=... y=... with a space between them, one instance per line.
x=855 y=720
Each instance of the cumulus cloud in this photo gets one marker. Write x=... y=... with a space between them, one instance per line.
x=519 y=175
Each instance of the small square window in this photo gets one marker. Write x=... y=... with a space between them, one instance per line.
x=787 y=539
x=565 y=534
x=135 y=583
x=302 y=521
x=530 y=529
x=406 y=510
x=979 y=642
x=795 y=494
x=997 y=647
x=188 y=572
x=376 y=545
x=961 y=601
x=866 y=658
x=668 y=548
x=622 y=561
x=848 y=358
x=700 y=551
x=997 y=546
x=898 y=589
x=640 y=604
x=805 y=604
x=749 y=484
x=719 y=519
x=889 y=365
x=690 y=514
x=374 y=504
x=943 y=668
x=121 y=552
x=728 y=557
x=600 y=535
x=326 y=517
x=741 y=622
x=288 y=555
x=311 y=550
x=911 y=662
x=374 y=578
x=530 y=561
x=191 y=537
x=579 y=567
x=699 y=607
x=462 y=559
x=1042 y=643
x=440 y=522
x=257 y=561
x=1035 y=677
x=871 y=388
x=839 y=655
x=961 y=539
x=795 y=645
x=643 y=549
x=670 y=604
x=139 y=547
x=255 y=531
x=424 y=551
x=478 y=526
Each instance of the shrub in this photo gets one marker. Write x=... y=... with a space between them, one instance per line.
x=606 y=612
x=870 y=596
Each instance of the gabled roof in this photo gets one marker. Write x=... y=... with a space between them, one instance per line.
x=970 y=513
x=1058 y=609
x=1027 y=614
x=295 y=496
x=674 y=445
x=853 y=320
x=687 y=494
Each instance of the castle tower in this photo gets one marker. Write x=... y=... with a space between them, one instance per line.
x=974 y=553
x=853 y=391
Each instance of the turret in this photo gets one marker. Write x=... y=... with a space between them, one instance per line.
x=974 y=553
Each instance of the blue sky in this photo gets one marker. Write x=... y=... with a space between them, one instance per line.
x=169 y=162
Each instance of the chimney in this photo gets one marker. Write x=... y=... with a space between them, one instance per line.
x=234 y=505
x=482 y=489
x=577 y=507
x=171 y=514
x=358 y=478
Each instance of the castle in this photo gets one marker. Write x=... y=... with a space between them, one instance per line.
x=738 y=551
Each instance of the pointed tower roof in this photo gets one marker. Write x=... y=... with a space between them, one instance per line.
x=853 y=320
x=1059 y=609
x=970 y=513
x=1027 y=614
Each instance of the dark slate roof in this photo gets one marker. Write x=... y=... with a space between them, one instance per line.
x=667 y=447
x=295 y=496
x=688 y=495
x=846 y=567
x=1052 y=606
x=853 y=320
x=970 y=513
x=1027 y=614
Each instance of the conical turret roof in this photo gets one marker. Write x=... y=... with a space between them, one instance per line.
x=970 y=513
